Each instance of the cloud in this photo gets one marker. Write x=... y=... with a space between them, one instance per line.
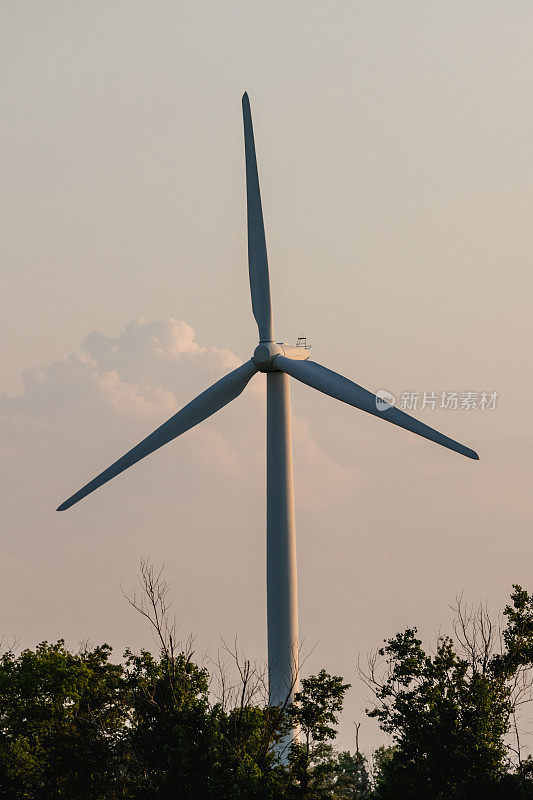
x=120 y=388
x=158 y=354
x=76 y=386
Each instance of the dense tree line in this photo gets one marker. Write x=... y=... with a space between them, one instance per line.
x=77 y=725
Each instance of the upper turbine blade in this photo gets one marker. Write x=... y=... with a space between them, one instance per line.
x=257 y=252
x=329 y=382
x=216 y=397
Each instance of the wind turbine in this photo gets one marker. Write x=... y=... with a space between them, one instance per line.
x=279 y=361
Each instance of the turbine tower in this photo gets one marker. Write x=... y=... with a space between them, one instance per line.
x=278 y=361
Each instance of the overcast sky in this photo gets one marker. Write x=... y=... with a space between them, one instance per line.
x=395 y=155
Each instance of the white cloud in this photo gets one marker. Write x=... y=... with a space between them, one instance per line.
x=158 y=354
x=122 y=387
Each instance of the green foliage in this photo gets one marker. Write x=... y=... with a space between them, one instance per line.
x=352 y=780
x=181 y=746
x=314 y=713
x=518 y=634
x=449 y=713
x=316 y=705
x=60 y=714
x=74 y=725
x=167 y=739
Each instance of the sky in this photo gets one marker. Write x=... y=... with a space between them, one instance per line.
x=394 y=147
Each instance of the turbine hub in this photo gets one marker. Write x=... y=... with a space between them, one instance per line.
x=264 y=355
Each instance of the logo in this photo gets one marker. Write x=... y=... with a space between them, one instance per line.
x=384 y=400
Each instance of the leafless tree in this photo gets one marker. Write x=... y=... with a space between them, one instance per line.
x=6 y=648
x=476 y=635
x=237 y=681
x=150 y=598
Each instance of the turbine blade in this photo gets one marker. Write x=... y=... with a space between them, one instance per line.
x=216 y=397
x=329 y=382
x=257 y=251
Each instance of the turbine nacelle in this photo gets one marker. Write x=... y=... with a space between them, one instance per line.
x=265 y=354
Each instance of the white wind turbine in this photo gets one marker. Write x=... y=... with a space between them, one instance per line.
x=278 y=361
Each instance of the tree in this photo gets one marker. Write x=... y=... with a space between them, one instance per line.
x=190 y=742
x=184 y=744
x=449 y=713
x=351 y=780
x=314 y=712
x=61 y=718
